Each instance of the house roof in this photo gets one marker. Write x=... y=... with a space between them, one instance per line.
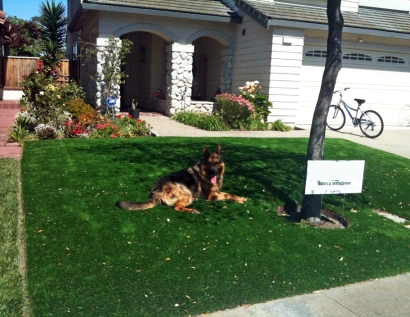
x=270 y=13
x=201 y=7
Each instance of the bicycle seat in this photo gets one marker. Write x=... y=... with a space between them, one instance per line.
x=360 y=101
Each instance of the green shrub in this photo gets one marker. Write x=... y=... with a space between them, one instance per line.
x=77 y=107
x=45 y=132
x=201 y=120
x=278 y=125
x=130 y=128
x=236 y=112
x=20 y=129
x=44 y=99
x=254 y=93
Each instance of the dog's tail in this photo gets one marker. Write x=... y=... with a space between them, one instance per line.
x=132 y=205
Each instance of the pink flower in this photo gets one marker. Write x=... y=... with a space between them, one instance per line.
x=113 y=136
x=99 y=126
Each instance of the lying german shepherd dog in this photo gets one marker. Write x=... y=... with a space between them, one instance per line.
x=180 y=189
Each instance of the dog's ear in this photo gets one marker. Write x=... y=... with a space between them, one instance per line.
x=219 y=150
x=206 y=152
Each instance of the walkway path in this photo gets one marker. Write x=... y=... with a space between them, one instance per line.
x=8 y=109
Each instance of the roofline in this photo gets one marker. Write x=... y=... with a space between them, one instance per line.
x=346 y=29
x=170 y=14
x=266 y=21
x=256 y=15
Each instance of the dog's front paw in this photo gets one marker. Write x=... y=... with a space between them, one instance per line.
x=241 y=200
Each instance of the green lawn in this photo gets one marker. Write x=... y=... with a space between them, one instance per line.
x=11 y=283
x=88 y=258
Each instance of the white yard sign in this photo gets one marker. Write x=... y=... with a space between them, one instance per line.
x=334 y=177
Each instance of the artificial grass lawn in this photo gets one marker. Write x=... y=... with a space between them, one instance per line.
x=88 y=258
x=11 y=284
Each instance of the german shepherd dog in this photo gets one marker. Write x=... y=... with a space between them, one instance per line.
x=180 y=189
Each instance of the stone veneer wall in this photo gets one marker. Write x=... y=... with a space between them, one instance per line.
x=226 y=74
x=100 y=93
x=203 y=106
x=179 y=78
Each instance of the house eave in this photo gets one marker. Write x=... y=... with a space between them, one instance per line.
x=325 y=27
x=169 y=14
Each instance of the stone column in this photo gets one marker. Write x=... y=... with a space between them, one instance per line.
x=100 y=92
x=226 y=71
x=179 y=77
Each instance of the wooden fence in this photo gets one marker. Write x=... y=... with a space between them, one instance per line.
x=13 y=69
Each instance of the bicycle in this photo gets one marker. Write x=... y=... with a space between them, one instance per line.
x=370 y=122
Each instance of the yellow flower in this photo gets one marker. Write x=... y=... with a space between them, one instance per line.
x=51 y=87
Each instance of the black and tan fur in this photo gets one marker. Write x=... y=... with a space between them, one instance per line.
x=181 y=188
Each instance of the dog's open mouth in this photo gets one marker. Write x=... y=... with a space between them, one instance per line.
x=213 y=180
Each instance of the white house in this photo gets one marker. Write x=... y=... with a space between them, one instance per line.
x=186 y=51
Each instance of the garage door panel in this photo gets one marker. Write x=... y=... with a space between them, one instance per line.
x=386 y=92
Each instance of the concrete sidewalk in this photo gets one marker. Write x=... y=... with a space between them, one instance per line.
x=387 y=297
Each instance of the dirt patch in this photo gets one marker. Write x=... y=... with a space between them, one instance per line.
x=329 y=219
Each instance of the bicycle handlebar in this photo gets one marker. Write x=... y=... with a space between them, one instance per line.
x=344 y=89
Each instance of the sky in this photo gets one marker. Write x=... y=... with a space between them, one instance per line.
x=24 y=9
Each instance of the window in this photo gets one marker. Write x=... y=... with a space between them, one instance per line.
x=357 y=57
x=316 y=53
x=390 y=59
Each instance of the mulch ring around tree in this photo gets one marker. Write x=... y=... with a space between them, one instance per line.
x=329 y=219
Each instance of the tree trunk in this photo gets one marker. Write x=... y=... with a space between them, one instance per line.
x=311 y=204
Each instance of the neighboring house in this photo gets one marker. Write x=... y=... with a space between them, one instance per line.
x=185 y=52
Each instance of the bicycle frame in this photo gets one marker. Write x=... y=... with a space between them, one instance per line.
x=347 y=107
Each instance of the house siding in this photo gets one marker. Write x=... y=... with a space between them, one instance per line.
x=252 y=55
x=286 y=65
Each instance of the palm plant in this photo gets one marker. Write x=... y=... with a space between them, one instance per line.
x=53 y=23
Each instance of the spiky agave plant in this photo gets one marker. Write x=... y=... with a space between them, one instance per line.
x=53 y=22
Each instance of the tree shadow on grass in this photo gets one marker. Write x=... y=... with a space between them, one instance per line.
x=269 y=170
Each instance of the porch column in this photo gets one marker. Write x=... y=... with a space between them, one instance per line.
x=99 y=90
x=179 y=77
x=226 y=71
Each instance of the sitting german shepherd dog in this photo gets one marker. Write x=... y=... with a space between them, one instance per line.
x=180 y=189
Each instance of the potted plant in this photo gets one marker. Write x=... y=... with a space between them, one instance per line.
x=134 y=112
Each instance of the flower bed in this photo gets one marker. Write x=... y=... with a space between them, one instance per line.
x=54 y=111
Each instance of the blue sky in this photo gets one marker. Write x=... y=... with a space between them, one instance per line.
x=24 y=9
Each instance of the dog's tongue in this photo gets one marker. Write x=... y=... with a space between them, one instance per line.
x=213 y=180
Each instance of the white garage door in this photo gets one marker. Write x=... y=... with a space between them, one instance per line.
x=381 y=78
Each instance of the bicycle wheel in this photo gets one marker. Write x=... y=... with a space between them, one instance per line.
x=371 y=124
x=335 y=118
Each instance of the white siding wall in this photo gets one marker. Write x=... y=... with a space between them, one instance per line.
x=252 y=55
x=286 y=65
x=350 y=5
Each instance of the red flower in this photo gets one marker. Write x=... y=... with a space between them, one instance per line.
x=139 y=120
x=119 y=116
x=130 y=116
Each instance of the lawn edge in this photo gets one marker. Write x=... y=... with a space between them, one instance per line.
x=22 y=246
